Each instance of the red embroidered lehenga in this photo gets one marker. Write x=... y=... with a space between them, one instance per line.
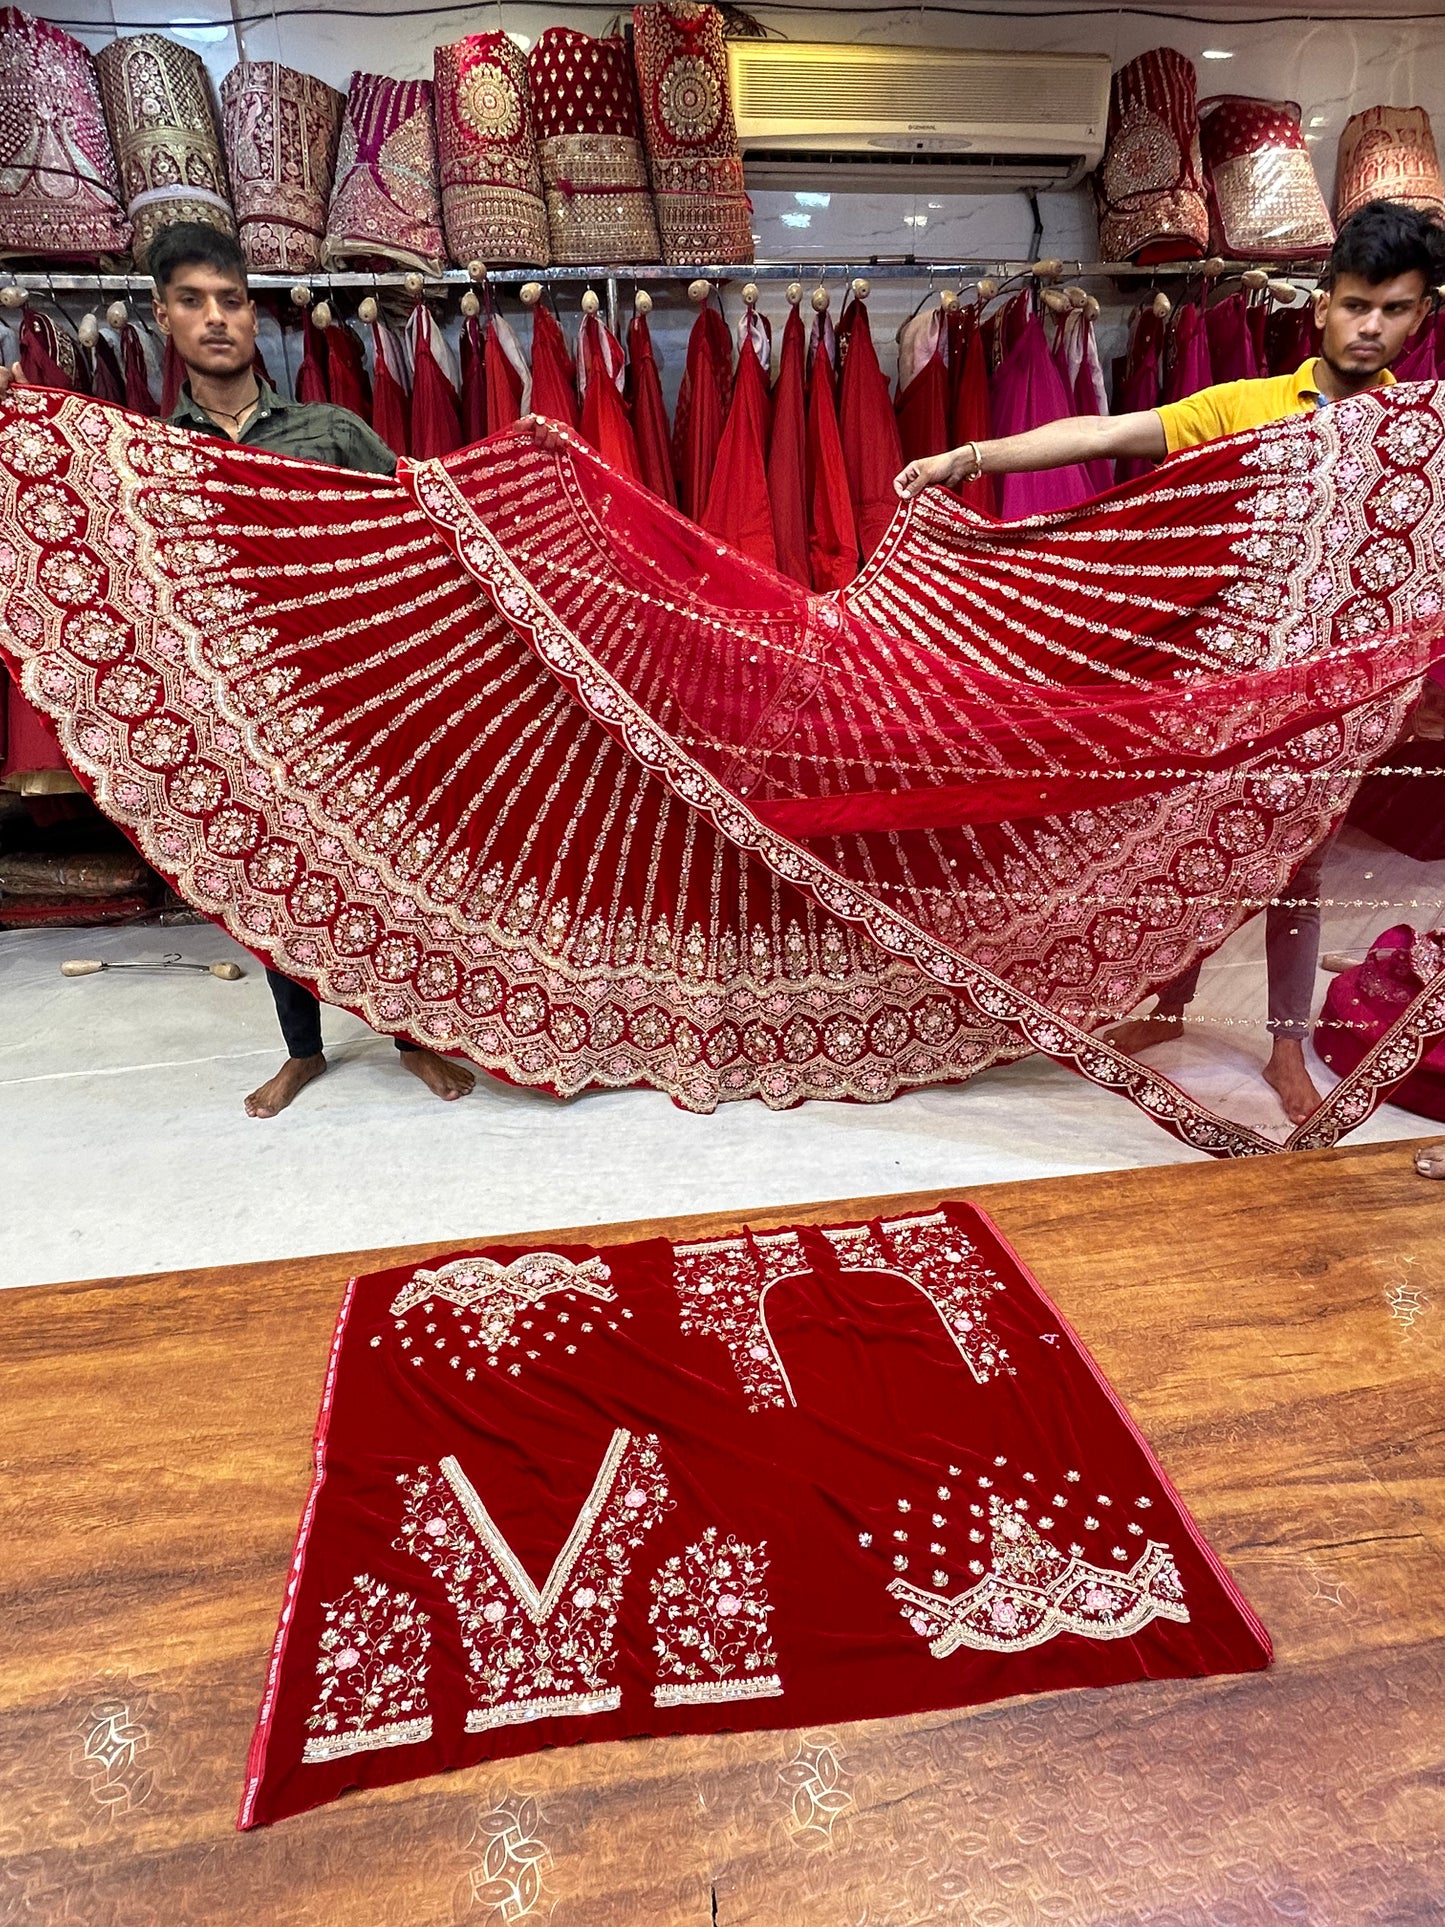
x=510 y=757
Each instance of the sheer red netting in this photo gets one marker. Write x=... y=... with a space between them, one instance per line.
x=608 y=803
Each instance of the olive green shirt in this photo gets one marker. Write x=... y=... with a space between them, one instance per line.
x=313 y=431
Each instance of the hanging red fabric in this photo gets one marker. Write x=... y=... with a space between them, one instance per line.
x=107 y=381
x=970 y=416
x=474 y=381
x=787 y=455
x=702 y=405
x=173 y=376
x=649 y=412
x=868 y=430
x=832 y=530
x=1140 y=387
x=311 y=384
x=346 y=380
x=737 y=506
x=604 y=421
x=1189 y=369
x=1231 y=344
x=922 y=405
x=138 y=397
x=390 y=411
x=554 y=378
x=436 y=427
x=506 y=390
x=1077 y=360
x=40 y=351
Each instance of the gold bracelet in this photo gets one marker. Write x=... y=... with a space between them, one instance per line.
x=972 y=448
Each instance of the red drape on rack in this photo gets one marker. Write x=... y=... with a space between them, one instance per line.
x=554 y=378
x=737 y=506
x=1139 y=389
x=787 y=455
x=390 y=410
x=922 y=405
x=474 y=380
x=649 y=412
x=505 y=389
x=868 y=428
x=107 y=381
x=311 y=382
x=604 y=419
x=832 y=531
x=970 y=416
x=346 y=379
x=1231 y=345
x=40 y=352
x=702 y=406
x=1189 y=369
x=138 y=396
x=436 y=427
x=1028 y=391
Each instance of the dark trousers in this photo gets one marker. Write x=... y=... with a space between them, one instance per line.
x=299 y=1015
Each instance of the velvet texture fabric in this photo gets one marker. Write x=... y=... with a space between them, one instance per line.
x=1150 y=184
x=492 y=205
x=60 y=193
x=589 y=145
x=157 y=99
x=282 y=129
x=1362 y=1005
x=385 y=205
x=693 y=157
x=769 y=843
x=776 y=1479
x=1264 y=201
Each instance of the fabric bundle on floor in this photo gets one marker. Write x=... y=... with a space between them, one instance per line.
x=589 y=144
x=60 y=194
x=282 y=129
x=693 y=156
x=1150 y=184
x=1388 y=154
x=386 y=205
x=157 y=99
x=492 y=204
x=602 y=802
x=1264 y=201
x=789 y=1477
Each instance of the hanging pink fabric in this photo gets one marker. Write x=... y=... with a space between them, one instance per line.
x=922 y=405
x=436 y=427
x=787 y=456
x=1139 y=389
x=554 y=377
x=737 y=507
x=1027 y=392
x=872 y=447
x=311 y=384
x=649 y=412
x=1189 y=368
x=390 y=412
x=1231 y=343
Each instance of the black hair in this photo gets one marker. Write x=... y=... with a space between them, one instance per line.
x=192 y=244
x=1384 y=239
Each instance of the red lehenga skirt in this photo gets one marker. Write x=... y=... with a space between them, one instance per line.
x=509 y=757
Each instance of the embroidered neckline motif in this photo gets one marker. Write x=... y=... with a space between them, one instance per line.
x=723 y=1286
x=710 y=1611
x=372 y=1665
x=537 y=1652
x=500 y=1291
x=1032 y=1592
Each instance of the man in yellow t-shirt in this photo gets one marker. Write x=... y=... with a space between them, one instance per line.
x=1376 y=291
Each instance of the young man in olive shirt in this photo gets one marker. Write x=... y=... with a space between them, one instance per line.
x=202 y=303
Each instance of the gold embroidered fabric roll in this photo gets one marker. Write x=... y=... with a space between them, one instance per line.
x=589 y=142
x=385 y=205
x=1388 y=154
x=281 y=129
x=157 y=99
x=59 y=189
x=492 y=205
x=1264 y=200
x=693 y=156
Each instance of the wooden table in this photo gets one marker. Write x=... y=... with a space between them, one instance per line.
x=1275 y=1326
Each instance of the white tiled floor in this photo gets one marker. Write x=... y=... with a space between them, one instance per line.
x=123 y=1145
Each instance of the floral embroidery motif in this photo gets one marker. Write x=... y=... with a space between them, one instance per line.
x=1032 y=1592
x=372 y=1667
x=537 y=1653
x=495 y=1293
x=723 y=1286
x=711 y=1610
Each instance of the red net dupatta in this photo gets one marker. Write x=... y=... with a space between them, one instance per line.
x=1264 y=200
x=1150 y=184
x=579 y=1493
x=60 y=193
x=157 y=99
x=693 y=156
x=491 y=184
x=1388 y=154
x=385 y=205
x=282 y=129
x=589 y=143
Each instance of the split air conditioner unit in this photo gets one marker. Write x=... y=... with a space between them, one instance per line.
x=811 y=114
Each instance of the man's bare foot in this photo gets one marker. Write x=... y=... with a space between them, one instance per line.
x=1430 y=1162
x=1142 y=1033
x=277 y=1092
x=1287 y=1077
x=440 y=1075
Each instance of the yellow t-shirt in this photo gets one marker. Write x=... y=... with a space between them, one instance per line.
x=1231 y=406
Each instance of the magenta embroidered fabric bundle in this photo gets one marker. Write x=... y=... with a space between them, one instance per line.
x=574 y=1494
x=575 y=789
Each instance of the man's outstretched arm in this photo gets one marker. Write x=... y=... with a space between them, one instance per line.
x=1076 y=438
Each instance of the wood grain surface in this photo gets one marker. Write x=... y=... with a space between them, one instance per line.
x=1275 y=1327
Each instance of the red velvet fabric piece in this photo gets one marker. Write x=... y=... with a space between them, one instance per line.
x=504 y=385
x=311 y=383
x=554 y=378
x=40 y=354
x=346 y=379
x=1361 y=1005
x=604 y=420
x=649 y=412
x=787 y=455
x=574 y=1494
x=737 y=506
x=436 y=427
x=474 y=381
x=703 y=396
x=832 y=531
x=390 y=406
x=868 y=427
x=28 y=739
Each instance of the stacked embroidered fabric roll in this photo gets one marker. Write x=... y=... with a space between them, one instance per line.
x=1150 y=185
x=693 y=155
x=281 y=130
x=584 y=98
x=1264 y=200
x=60 y=197
x=491 y=184
x=385 y=205
x=157 y=100
x=1388 y=154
